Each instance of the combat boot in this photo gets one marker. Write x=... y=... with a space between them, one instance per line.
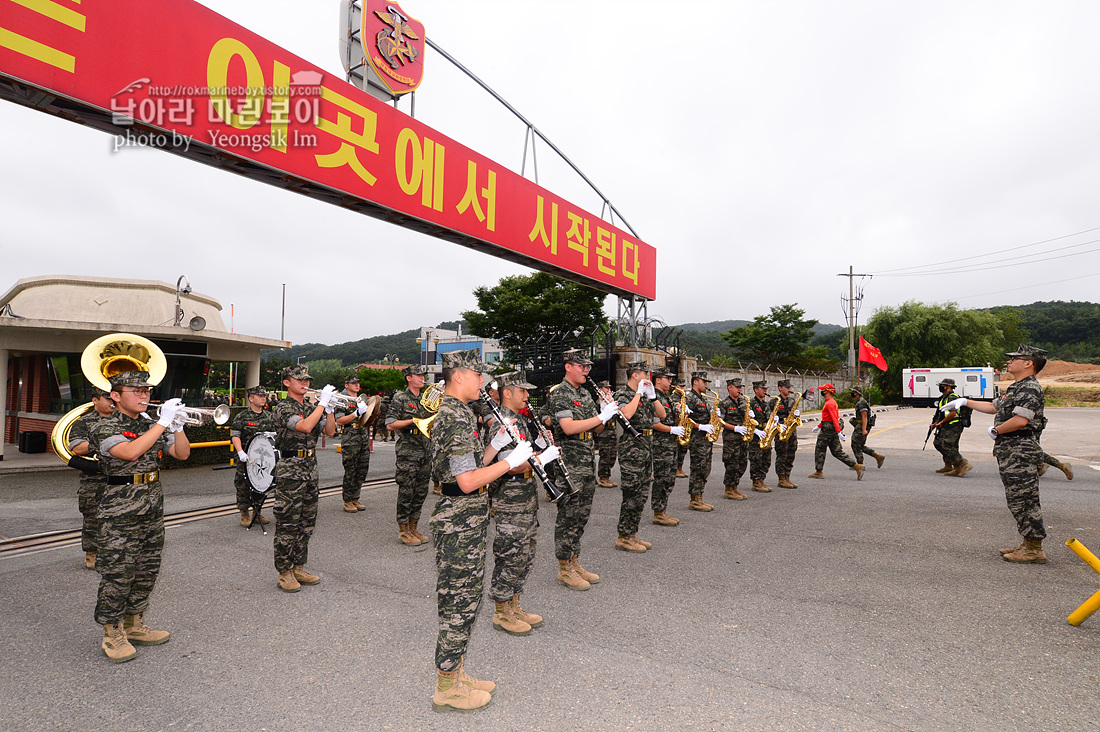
x=140 y=634
x=589 y=577
x=287 y=583
x=246 y=518
x=758 y=485
x=416 y=534
x=1021 y=545
x=698 y=504
x=879 y=458
x=303 y=576
x=785 y=481
x=89 y=560
x=358 y=507
x=1065 y=468
x=349 y=506
x=680 y=473
x=406 y=538
x=264 y=519
x=733 y=494
x=451 y=695
x=115 y=644
x=1042 y=470
x=625 y=544
x=858 y=467
x=568 y=577
x=437 y=489
x=661 y=518
x=605 y=483
x=504 y=618
x=962 y=469
x=531 y=619
x=947 y=467
x=816 y=474
x=643 y=542
x=479 y=684
x=1030 y=552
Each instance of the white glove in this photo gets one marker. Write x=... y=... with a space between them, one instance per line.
x=775 y=419
x=501 y=440
x=361 y=410
x=177 y=424
x=798 y=412
x=647 y=389
x=760 y=434
x=816 y=429
x=608 y=412
x=677 y=430
x=954 y=405
x=708 y=428
x=242 y=456
x=168 y=412
x=993 y=433
x=741 y=429
x=519 y=455
x=326 y=396
x=843 y=437
x=549 y=455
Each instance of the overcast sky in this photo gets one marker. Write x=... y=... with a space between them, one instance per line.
x=761 y=147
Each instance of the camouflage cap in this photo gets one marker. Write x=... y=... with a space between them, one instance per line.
x=760 y=385
x=784 y=382
x=414 y=370
x=856 y=389
x=605 y=384
x=517 y=379
x=97 y=392
x=575 y=355
x=698 y=375
x=946 y=382
x=351 y=379
x=470 y=359
x=662 y=373
x=638 y=366
x=297 y=371
x=733 y=382
x=255 y=391
x=136 y=378
x=1026 y=351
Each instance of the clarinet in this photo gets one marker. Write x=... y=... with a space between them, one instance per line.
x=545 y=434
x=536 y=466
x=619 y=418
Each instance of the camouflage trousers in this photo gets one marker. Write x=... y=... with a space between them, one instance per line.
x=515 y=514
x=295 y=517
x=128 y=561
x=242 y=487
x=735 y=457
x=88 y=501
x=784 y=454
x=458 y=527
x=829 y=440
x=702 y=452
x=946 y=442
x=665 y=452
x=573 y=514
x=760 y=461
x=412 y=473
x=608 y=447
x=1018 y=462
x=636 y=469
x=355 y=455
x=681 y=453
x=859 y=445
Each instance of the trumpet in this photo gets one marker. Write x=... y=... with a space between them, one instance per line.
x=338 y=400
x=198 y=415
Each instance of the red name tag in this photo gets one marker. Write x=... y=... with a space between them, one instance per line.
x=251 y=424
x=577 y=403
x=412 y=406
x=131 y=435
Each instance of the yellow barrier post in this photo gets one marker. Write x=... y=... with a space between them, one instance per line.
x=1092 y=604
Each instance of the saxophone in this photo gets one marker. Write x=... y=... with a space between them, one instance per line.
x=790 y=424
x=750 y=424
x=715 y=419
x=682 y=418
x=772 y=429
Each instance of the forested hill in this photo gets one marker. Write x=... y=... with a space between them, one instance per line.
x=1069 y=330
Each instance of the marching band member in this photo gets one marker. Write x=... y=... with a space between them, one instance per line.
x=246 y=424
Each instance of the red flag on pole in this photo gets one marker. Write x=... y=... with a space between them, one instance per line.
x=870 y=354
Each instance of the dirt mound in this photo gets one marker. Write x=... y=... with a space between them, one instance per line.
x=1054 y=369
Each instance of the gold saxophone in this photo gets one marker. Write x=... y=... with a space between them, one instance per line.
x=682 y=418
x=771 y=429
x=790 y=424
x=715 y=419
x=750 y=424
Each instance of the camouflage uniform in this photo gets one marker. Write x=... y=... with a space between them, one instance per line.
x=131 y=518
x=1019 y=455
x=701 y=449
x=91 y=484
x=413 y=466
x=245 y=425
x=859 y=440
x=735 y=451
x=354 y=453
x=664 y=457
x=785 y=449
x=579 y=454
x=514 y=501
x=947 y=437
x=635 y=461
x=760 y=461
x=295 y=480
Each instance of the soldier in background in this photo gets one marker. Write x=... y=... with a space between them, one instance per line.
x=830 y=433
x=701 y=449
x=735 y=451
x=949 y=428
x=607 y=445
x=413 y=467
x=458 y=525
x=1048 y=459
x=131 y=448
x=785 y=449
x=378 y=426
x=760 y=460
x=91 y=484
x=298 y=425
x=354 y=447
x=245 y=425
x=862 y=422
x=681 y=450
x=638 y=403
x=665 y=448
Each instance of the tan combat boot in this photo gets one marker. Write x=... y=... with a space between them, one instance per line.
x=115 y=645
x=358 y=506
x=661 y=518
x=1021 y=545
x=264 y=519
x=605 y=483
x=733 y=494
x=1042 y=470
x=785 y=481
x=758 y=485
x=479 y=684
x=406 y=538
x=962 y=469
x=303 y=576
x=680 y=473
x=437 y=489
x=287 y=583
x=1065 y=468
x=89 y=560
x=246 y=518
x=531 y=619
x=858 y=467
x=140 y=634
x=451 y=695
x=349 y=506
x=413 y=532
x=505 y=619
x=879 y=458
x=589 y=577
x=643 y=542
x=947 y=467
x=1030 y=552
x=625 y=544
x=568 y=577
x=698 y=504
x=816 y=474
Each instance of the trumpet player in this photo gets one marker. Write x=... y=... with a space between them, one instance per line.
x=246 y=425
x=785 y=449
x=665 y=448
x=298 y=425
x=735 y=451
x=413 y=467
x=700 y=448
x=760 y=460
x=638 y=403
x=131 y=448
x=354 y=446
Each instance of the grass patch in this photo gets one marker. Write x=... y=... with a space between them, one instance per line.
x=1071 y=396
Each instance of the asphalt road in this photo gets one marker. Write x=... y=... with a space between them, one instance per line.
x=875 y=605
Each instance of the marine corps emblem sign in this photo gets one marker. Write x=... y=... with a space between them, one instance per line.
x=394 y=45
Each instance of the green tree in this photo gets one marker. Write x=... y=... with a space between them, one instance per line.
x=373 y=380
x=527 y=306
x=916 y=335
x=777 y=339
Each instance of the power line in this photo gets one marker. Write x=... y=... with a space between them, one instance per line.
x=1028 y=287
x=984 y=267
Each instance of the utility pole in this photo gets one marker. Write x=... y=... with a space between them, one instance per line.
x=851 y=314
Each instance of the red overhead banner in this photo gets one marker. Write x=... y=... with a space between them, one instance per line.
x=176 y=69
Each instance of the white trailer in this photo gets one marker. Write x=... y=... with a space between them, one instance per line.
x=920 y=387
